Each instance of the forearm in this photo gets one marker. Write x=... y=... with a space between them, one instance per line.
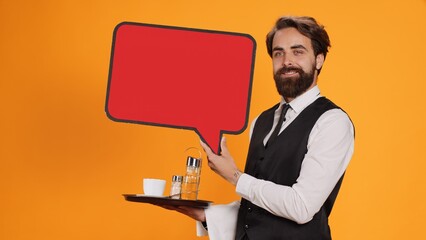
x=280 y=200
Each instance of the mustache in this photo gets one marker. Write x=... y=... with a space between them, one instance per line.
x=287 y=69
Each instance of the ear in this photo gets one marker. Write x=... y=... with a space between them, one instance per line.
x=320 y=61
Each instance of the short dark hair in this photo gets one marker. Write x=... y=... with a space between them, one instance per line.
x=308 y=27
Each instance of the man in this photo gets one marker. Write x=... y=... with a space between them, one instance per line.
x=292 y=175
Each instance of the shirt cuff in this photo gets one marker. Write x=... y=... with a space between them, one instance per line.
x=243 y=185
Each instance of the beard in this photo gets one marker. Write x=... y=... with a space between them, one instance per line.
x=291 y=87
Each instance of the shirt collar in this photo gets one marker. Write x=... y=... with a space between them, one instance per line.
x=302 y=101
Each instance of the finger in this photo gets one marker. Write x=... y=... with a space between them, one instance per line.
x=206 y=148
x=211 y=165
x=224 y=146
x=183 y=211
x=190 y=209
x=168 y=207
x=198 y=213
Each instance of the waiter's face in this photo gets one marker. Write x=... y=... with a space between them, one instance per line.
x=294 y=63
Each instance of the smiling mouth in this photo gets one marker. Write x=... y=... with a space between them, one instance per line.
x=289 y=72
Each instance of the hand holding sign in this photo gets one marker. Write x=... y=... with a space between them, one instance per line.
x=183 y=78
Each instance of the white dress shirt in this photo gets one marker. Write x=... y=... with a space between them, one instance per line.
x=330 y=148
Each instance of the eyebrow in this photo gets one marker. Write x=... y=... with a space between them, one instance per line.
x=292 y=47
x=298 y=46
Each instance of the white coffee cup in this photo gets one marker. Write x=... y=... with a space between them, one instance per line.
x=154 y=187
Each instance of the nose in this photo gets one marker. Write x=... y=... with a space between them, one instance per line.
x=287 y=61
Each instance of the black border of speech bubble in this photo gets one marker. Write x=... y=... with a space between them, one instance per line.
x=174 y=126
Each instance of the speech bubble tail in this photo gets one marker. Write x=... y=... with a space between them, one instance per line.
x=212 y=139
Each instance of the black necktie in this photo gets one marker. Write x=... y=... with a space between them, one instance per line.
x=280 y=122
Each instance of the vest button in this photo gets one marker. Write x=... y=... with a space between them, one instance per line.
x=249 y=209
x=246 y=226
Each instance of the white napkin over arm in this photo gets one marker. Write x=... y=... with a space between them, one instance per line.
x=221 y=221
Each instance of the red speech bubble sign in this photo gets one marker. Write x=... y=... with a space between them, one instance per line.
x=183 y=78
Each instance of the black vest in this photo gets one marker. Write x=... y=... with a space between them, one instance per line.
x=280 y=163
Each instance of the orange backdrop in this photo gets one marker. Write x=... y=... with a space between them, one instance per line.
x=64 y=164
